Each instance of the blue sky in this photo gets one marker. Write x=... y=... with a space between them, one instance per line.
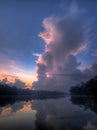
x=21 y=22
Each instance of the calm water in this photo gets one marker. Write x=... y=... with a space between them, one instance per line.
x=52 y=114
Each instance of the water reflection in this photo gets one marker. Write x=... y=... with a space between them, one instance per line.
x=18 y=116
x=52 y=114
x=88 y=102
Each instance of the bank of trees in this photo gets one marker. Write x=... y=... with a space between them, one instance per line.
x=88 y=88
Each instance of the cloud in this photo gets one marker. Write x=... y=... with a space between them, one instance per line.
x=19 y=84
x=11 y=77
x=11 y=66
x=36 y=54
x=4 y=81
x=93 y=68
x=81 y=49
x=94 y=53
x=57 y=67
x=64 y=37
x=16 y=82
x=90 y=126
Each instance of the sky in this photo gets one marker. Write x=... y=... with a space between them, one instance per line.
x=48 y=44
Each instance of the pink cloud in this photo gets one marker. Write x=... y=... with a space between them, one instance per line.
x=58 y=68
x=80 y=49
x=36 y=54
x=10 y=67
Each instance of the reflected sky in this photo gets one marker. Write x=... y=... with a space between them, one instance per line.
x=19 y=115
x=51 y=114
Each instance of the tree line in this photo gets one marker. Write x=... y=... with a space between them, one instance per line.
x=88 y=88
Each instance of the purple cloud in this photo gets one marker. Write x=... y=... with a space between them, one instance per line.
x=57 y=67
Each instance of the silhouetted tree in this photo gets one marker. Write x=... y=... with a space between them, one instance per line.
x=88 y=88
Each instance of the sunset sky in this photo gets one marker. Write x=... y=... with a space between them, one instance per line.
x=51 y=41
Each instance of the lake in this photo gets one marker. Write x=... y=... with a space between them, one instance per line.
x=50 y=114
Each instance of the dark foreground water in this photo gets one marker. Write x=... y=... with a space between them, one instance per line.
x=53 y=114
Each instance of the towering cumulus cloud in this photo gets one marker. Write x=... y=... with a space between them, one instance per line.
x=57 y=67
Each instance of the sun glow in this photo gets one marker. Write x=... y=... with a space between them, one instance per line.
x=27 y=79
